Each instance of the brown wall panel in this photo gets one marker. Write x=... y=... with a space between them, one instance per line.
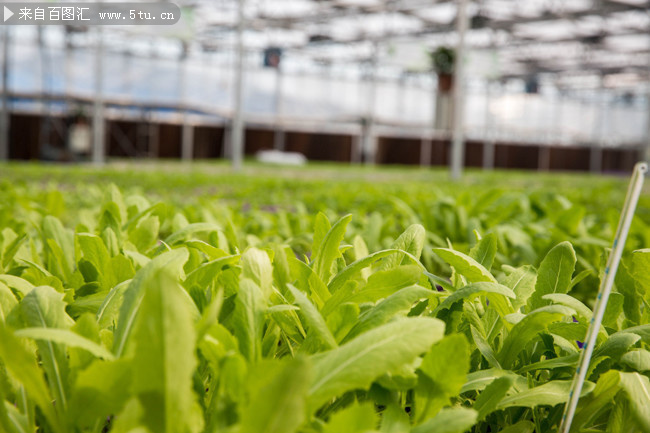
x=169 y=145
x=258 y=139
x=569 y=158
x=208 y=142
x=391 y=150
x=320 y=147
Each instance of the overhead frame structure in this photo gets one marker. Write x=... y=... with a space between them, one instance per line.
x=567 y=40
x=534 y=37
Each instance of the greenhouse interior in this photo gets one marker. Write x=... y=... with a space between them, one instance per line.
x=325 y=216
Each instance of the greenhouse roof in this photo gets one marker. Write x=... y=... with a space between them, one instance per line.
x=596 y=36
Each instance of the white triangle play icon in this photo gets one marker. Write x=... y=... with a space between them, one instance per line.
x=8 y=13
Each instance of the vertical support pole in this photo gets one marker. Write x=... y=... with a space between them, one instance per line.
x=596 y=150
x=99 y=152
x=605 y=289
x=356 y=151
x=4 y=115
x=237 y=133
x=544 y=158
x=646 y=151
x=458 y=138
x=426 y=146
x=369 y=140
x=187 y=132
x=278 y=134
x=488 y=142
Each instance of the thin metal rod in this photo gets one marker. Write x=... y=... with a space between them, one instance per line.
x=278 y=134
x=458 y=139
x=4 y=114
x=98 y=106
x=237 y=133
x=631 y=199
x=187 y=131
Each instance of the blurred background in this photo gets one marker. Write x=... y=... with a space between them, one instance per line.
x=529 y=84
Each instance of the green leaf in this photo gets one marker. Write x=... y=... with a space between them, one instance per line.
x=248 y=319
x=171 y=260
x=520 y=427
x=484 y=347
x=256 y=265
x=590 y=406
x=395 y=420
x=447 y=364
x=478 y=380
x=60 y=243
x=100 y=390
x=23 y=367
x=328 y=250
x=355 y=267
x=7 y=301
x=549 y=394
x=449 y=420
x=494 y=291
x=164 y=357
x=527 y=329
x=145 y=233
x=399 y=302
x=411 y=241
x=357 y=418
x=638 y=360
x=94 y=251
x=465 y=265
x=278 y=405
x=315 y=322
x=357 y=363
x=485 y=250
x=571 y=302
x=321 y=227
x=18 y=284
x=637 y=389
x=68 y=338
x=205 y=274
x=489 y=399
x=44 y=307
x=188 y=231
x=554 y=274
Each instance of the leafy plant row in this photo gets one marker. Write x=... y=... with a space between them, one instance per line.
x=142 y=321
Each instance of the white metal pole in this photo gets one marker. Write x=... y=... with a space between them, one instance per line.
x=4 y=115
x=187 y=131
x=99 y=151
x=278 y=134
x=598 y=142
x=237 y=133
x=488 y=140
x=458 y=139
x=627 y=213
x=369 y=138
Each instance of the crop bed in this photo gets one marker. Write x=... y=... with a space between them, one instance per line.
x=185 y=298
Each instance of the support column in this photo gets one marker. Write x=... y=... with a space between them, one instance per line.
x=425 y=151
x=4 y=114
x=544 y=158
x=237 y=133
x=369 y=140
x=278 y=134
x=645 y=155
x=596 y=150
x=99 y=151
x=458 y=134
x=488 y=141
x=187 y=132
